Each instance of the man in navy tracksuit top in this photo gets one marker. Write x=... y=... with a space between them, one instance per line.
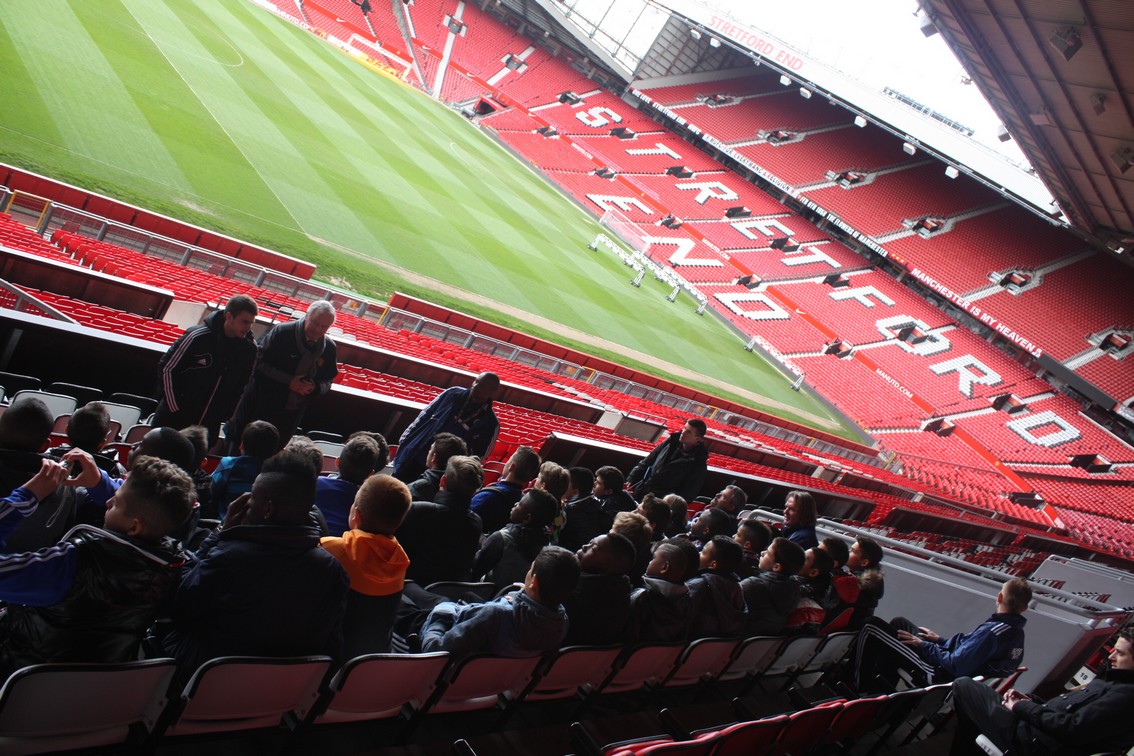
x=994 y=649
x=464 y=412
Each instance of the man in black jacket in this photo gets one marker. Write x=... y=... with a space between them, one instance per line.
x=262 y=585
x=204 y=372
x=1088 y=719
x=441 y=537
x=676 y=465
x=599 y=609
x=296 y=363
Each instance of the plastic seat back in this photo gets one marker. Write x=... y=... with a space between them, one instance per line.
x=56 y=707
x=753 y=656
x=248 y=692
x=126 y=415
x=793 y=655
x=701 y=661
x=806 y=729
x=646 y=664
x=573 y=668
x=855 y=718
x=377 y=686
x=57 y=404
x=81 y=394
x=479 y=681
x=747 y=738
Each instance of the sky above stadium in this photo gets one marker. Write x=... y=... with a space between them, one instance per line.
x=881 y=44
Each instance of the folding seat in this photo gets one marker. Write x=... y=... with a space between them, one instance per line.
x=792 y=656
x=245 y=693
x=126 y=415
x=145 y=404
x=575 y=670
x=57 y=404
x=482 y=682
x=753 y=656
x=82 y=394
x=805 y=729
x=62 y=707
x=644 y=665
x=380 y=686
x=834 y=647
x=701 y=661
x=750 y=738
x=853 y=721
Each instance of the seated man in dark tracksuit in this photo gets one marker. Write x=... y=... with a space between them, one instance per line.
x=995 y=648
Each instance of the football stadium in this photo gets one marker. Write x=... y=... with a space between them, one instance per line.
x=655 y=359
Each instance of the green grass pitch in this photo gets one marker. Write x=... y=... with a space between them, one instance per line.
x=226 y=116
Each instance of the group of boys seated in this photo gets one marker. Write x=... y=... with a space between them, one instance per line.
x=303 y=564
x=115 y=562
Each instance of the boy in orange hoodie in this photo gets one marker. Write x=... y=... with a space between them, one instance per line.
x=375 y=563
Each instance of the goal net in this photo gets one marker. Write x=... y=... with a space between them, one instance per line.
x=627 y=230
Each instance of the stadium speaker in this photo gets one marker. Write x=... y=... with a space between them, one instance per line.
x=1092 y=463
x=911 y=334
x=1067 y=41
x=836 y=281
x=1009 y=403
x=1026 y=498
x=740 y=211
x=940 y=426
x=1115 y=342
x=839 y=348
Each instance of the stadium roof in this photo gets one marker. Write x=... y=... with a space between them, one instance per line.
x=1056 y=73
x=1050 y=70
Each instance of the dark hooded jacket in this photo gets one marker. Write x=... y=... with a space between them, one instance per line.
x=770 y=598
x=586 y=519
x=119 y=587
x=441 y=538
x=507 y=554
x=660 y=612
x=259 y=590
x=669 y=468
x=718 y=605
x=599 y=610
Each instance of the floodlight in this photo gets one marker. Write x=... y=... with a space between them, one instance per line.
x=694 y=33
x=1123 y=158
x=1002 y=134
x=908 y=148
x=1067 y=41
x=952 y=172
x=860 y=122
x=714 y=42
x=785 y=80
x=805 y=93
